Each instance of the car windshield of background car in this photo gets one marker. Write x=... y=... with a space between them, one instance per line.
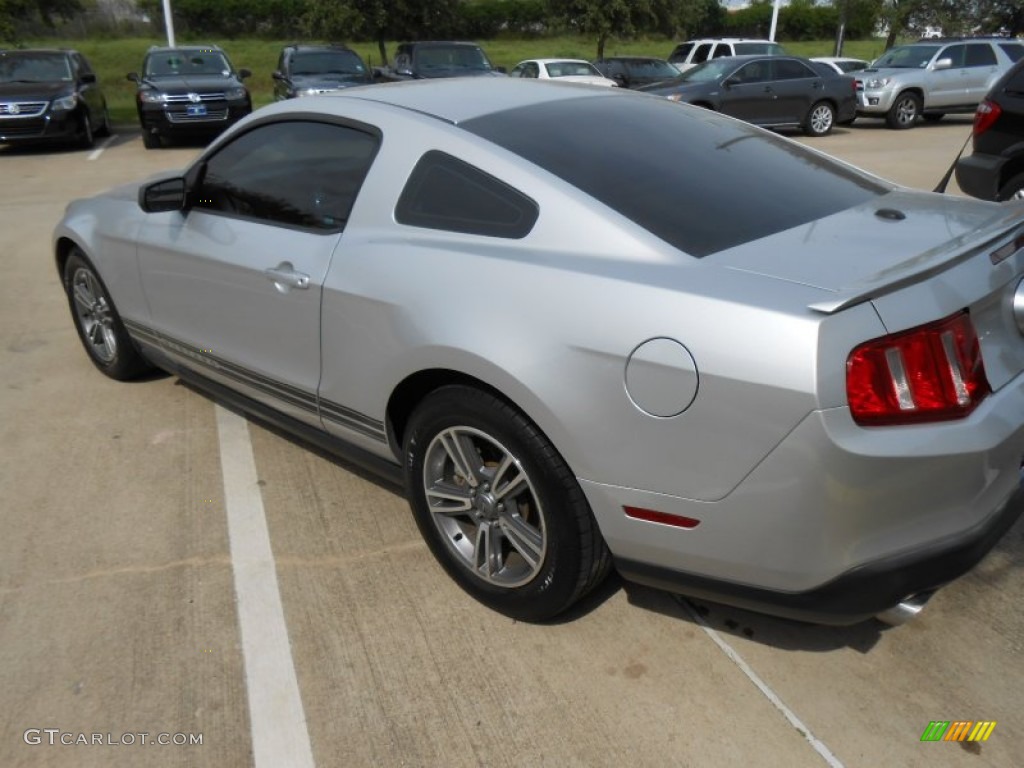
x=34 y=68
x=179 y=63
x=647 y=68
x=709 y=71
x=907 y=57
x=461 y=58
x=333 y=63
x=738 y=183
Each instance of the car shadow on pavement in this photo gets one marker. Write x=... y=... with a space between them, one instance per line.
x=785 y=634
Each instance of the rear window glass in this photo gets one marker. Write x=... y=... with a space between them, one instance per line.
x=1013 y=50
x=700 y=182
x=445 y=193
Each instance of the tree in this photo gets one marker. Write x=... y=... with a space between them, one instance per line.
x=603 y=18
x=678 y=18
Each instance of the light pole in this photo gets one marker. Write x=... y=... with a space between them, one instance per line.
x=775 y=19
x=169 y=23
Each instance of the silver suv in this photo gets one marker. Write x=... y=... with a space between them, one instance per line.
x=694 y=52
x=929 y=79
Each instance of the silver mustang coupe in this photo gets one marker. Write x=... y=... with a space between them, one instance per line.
x=591 y=328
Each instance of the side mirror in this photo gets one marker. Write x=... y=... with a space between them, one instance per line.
x=620 y=79
x=244 y=73
x=729 y=82
x=133 y=76
x=276 y=74
x=162 y=196
x=501 y=69
x=88 y=78
x=942 y=64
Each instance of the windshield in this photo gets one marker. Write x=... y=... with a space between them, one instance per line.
x=34 y=68
x=178 y=63
x=327 y=63
x=743 y=49
x=571 y=69
x=715 y=69
x=653 y=68
x=906 y=57
x=462 y=57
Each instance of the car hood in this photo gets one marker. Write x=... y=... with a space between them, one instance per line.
x=666 y=88
x=870 y=249
x=884 y=72
x=35 y=91
x=192 y=83
x=327 y=81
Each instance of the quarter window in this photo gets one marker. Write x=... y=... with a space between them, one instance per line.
x=301 y=174
x=1014 y=50
x=446 y=193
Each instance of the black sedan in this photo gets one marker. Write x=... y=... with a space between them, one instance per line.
x=770 y=91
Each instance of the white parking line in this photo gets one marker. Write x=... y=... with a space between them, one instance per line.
x=278 y=723
x=762 y=686
x=99 y=150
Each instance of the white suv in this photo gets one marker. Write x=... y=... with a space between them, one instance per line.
x=694 y=52
x=932 y=78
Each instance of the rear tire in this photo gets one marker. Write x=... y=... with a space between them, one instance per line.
x=904 y=111
x=99 y=327
x=820 y=119
x=499 y=507
x=933 y=117
x=1013 y=189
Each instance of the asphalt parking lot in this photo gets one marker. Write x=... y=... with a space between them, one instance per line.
x=130 y=510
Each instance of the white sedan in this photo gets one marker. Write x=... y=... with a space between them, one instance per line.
x=842 y=65
x=563 y=70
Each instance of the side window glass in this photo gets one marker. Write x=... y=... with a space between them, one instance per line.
x=532 y=71
x=787 y=69
x=701 y=54
x=301 y=174
x=754 y=72
x=721 y=51
x=980 y=56
x=83 y=66
x=445 y=193
x=517 y=71
x=956 y=53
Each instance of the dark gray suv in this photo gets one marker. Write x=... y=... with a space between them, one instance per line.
x=306 y=70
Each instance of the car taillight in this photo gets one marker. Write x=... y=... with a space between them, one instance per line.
x=930 y=373
x=986 y=114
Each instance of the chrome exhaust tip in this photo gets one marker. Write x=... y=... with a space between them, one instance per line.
x=905 y=610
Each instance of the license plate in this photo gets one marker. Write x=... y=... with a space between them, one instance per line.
x=195 y=110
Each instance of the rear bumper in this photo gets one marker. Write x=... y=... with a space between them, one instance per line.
x=857 y=594
x=979 y=175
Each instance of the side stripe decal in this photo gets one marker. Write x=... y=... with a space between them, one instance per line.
x=306 y=401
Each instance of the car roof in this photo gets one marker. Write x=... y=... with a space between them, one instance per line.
x=7 y=51
x=442 y=42
x=454 y=100
x=632 y=58
x=728 y=40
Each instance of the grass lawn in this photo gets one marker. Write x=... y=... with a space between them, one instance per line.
x=113 y=59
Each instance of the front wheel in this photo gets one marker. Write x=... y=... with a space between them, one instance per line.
x=1013 y=189
x=86 y=138
x=498 y=506
x=820 y=119
x=99 y=326
x=150 y=140
x=904 y=111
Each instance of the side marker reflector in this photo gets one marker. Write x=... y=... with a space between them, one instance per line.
x=654 y=516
